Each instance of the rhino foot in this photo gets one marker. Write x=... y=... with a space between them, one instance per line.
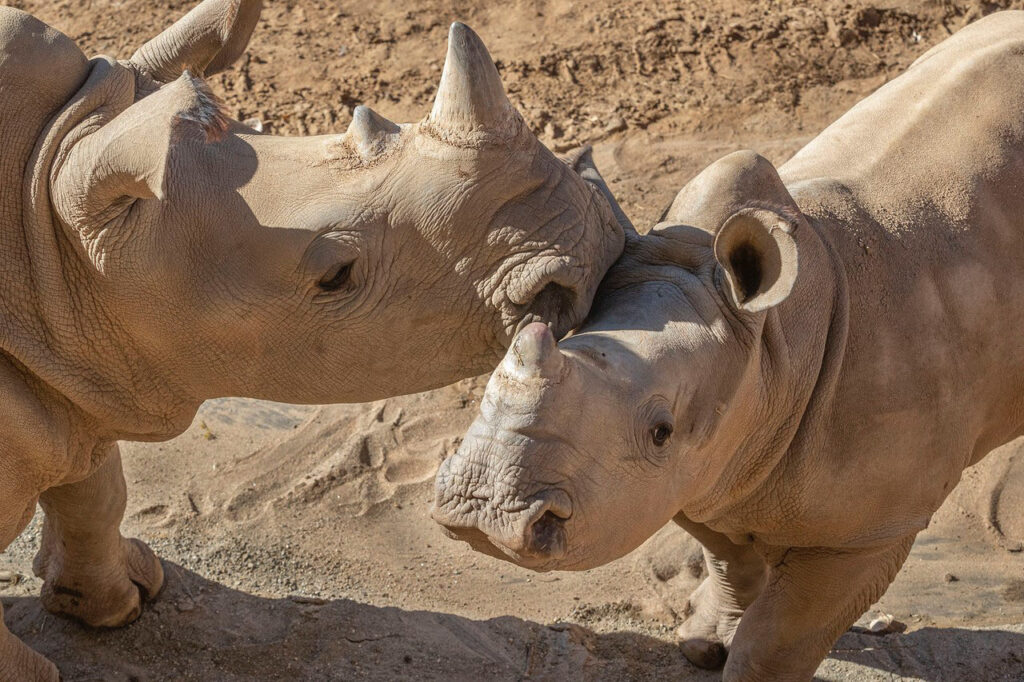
x=108 y=593
x=707 y=633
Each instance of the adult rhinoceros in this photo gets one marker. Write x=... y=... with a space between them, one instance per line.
x=154 y=253
x=796 y=366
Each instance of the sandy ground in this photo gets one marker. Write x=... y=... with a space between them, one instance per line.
x=297 y=539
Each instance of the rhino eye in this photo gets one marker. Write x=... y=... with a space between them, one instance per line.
x=337 y=278
x=660 y=433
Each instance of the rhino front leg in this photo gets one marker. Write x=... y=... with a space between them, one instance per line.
x=812 y=595
x=17 y=660
x=91 y=572
x=736 y=576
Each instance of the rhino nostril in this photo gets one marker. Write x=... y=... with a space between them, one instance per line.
x=553 y=300
x=547 y=534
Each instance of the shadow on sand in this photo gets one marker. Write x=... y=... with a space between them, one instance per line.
x=202 y=630
x=932 y=655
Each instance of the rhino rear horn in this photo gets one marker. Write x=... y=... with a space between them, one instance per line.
x=471 y=98
x=204 y=41
x=127 y=158
x=369 y=131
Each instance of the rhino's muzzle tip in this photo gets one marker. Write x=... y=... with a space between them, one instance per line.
x=534 y=354
x=535 y=538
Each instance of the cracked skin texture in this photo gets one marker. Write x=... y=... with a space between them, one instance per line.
x=157 y=254
x=829 y=345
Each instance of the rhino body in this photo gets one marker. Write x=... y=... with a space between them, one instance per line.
x=795 y=365
x=156 y=253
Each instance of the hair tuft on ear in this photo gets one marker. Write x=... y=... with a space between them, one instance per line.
x=206 y=110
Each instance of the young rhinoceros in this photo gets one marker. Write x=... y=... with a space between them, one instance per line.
x=795 y=369
x=156 y=253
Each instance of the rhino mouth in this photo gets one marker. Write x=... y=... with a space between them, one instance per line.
x=533 y=535
x=552 y=545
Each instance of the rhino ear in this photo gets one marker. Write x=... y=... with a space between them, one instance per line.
x=127 y=158
x=206 y=40
x=581 y=160
x=758 y=256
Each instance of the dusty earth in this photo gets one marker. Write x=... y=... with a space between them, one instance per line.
x=297 y=539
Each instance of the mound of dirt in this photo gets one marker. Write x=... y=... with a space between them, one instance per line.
x=297 y=539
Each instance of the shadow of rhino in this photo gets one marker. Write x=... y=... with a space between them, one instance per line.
x=202 y=630
x=931 y=654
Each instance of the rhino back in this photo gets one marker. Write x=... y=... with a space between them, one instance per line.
x=951 y=125
x=920 y=190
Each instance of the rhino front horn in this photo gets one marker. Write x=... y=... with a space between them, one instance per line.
x=471 y=98
x=534 y=353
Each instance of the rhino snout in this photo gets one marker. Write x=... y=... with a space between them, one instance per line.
x=530 y=533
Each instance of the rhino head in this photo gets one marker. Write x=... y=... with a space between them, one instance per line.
x=668 y=399
x=204 y=259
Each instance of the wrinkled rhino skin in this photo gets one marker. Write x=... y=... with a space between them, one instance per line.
x=795 y=365
x=156 y=253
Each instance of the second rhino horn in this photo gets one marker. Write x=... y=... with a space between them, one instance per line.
x=471 y=98
x=534 y=354
x=369 y=131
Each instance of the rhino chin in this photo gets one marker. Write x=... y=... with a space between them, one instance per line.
x=479 y=541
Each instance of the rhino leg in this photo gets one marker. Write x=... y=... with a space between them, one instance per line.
x=90 y=571
x=736 y=576
x=17 y=660
x=812 y=596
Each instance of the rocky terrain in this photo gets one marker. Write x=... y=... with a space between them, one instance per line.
x=297 y=539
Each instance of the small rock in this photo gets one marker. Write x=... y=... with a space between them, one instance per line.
x=950 y=578
x=615 y=125
x=885 y=624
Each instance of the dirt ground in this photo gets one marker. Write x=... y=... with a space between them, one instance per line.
x=297 y=539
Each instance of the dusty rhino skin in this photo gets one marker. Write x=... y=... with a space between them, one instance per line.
x=794 y=365
x=156 y=253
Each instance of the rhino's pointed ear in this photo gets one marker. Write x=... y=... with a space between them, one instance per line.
x=471 y=98
x=581 y=160
x=758 y=256
x=206 y=40
x=127 y=158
